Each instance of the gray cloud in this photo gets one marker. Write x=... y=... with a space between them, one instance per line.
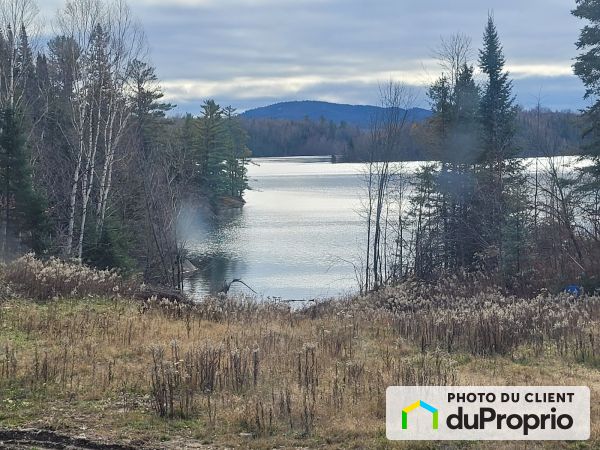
x=254 y=52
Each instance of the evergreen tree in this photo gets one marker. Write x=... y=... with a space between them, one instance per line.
x=237 y=154
x=454 y=125
x=463 y=140
x=497 y=171
x=440 y=96
x=23 y=219
x=456 y=179
x=497 y=109
x=587 y=67
x=26 y=70
x=63 y=52
x=425 y=215
x=213 y=137
x=156 y=172
x=211 y=150
x=479 y=204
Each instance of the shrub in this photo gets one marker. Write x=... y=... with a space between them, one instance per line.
x=54 y=278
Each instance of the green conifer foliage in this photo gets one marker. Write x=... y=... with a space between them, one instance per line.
x=23 y=218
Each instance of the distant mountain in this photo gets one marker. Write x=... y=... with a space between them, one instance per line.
x=360 y=115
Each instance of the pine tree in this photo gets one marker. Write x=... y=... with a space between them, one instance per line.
x=425 y=215
x=156 y=175
x=211 y=150
x=456 y=182
x=587 y=65
x=146 y=97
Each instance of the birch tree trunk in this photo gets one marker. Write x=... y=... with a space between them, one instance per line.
x=107 y=40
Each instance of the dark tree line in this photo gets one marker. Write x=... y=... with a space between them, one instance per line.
x=91 y=167
x=277 y=137
x=273 y=137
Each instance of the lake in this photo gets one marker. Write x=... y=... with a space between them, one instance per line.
x=298 y=235
x=295 y=238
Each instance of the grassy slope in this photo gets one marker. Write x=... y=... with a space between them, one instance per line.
x=303 y=379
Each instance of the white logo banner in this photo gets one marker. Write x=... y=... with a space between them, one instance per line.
x=419 y=413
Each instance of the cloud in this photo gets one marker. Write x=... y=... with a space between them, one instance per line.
x=539 y=70
x=249 y=87
x=211 y=3
x=253 y=52
x=556 y=80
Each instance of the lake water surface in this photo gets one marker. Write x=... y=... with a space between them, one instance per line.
x=296 y=237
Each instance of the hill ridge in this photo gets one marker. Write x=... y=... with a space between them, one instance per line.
x=359 y=115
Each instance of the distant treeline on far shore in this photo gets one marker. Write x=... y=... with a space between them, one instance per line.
x=279 y=137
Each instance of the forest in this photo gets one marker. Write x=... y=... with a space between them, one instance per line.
x=350 y=142
x=92 y=166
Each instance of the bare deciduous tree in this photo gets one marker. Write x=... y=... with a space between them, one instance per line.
x=15 y=16
x=387 y=132
x=452 y=54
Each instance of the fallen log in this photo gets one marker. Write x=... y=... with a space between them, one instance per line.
x=227 y=286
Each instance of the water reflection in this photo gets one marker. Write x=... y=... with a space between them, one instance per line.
x=293 y=238
x=211 y=253
x=212 y=272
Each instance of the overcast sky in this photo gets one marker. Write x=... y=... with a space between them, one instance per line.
x=250 y=53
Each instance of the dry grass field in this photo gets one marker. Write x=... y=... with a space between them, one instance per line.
x=233 y=373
